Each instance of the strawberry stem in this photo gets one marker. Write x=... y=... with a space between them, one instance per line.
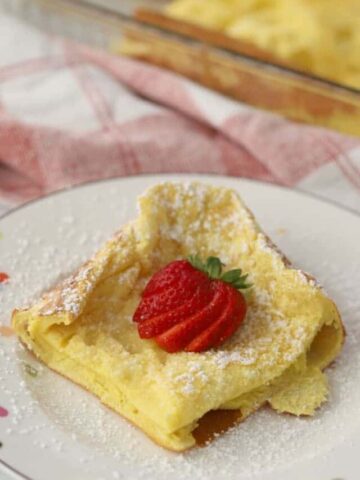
x=213 y=268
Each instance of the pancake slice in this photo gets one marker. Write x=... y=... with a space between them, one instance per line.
x=83 y=328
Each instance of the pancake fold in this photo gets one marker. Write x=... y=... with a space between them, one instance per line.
x=83 y=328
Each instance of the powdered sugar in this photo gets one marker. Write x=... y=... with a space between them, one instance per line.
x=189 y=380
x=263 y=244
x=222 y=358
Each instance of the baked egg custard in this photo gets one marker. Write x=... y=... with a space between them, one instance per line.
x=84 y=328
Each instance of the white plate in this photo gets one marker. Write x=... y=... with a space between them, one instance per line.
x=57 y=431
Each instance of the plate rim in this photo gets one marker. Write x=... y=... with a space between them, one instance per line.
x=86 y=183
x=13 y=470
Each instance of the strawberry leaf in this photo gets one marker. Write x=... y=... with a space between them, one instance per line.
x=196 y=262
x=236 y=279
x=232 y=275
x=213 y=268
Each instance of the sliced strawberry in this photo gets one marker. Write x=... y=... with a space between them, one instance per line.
x=169 y=288
x=179 y=274
x=161 y=302
x=181 y=334
x=167 y=300
x=234 y=321
x=191 y=305
x=160 y=323
x=211 y=335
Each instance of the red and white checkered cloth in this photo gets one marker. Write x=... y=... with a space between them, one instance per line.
x=69 y=114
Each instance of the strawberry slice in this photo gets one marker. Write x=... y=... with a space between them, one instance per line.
x=158 y=324
x=169 y=288
x=234 y=321
x=212 y=335
x=160 y=303
x=179 y=274
x=169 y=300
x=190 y=305
x=181 y=334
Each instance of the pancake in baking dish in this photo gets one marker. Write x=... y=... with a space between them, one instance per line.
x=83 y=328
x=321 y=37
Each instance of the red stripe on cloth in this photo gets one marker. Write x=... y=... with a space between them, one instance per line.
x=163 y=87
x=347 y=172
x=240 y=162
x=15 y=187
x=18 y=147
x=337 y=147
x=342 y=154
x=72 y=158
x=100 y=106
x=169 y=142
x=161 y=142
x=27 y=67
x=290 y=151
x=91 y=91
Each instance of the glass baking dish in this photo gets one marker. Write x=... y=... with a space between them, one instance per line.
x=139 y=29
